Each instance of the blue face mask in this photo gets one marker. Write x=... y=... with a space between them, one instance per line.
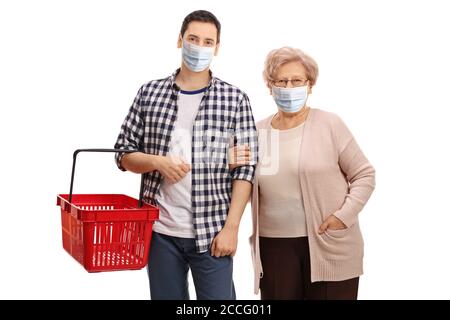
x=195 y=57
x=290 y=99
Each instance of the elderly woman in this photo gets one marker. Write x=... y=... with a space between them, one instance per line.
x=311 y=182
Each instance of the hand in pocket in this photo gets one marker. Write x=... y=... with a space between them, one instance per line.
x=332 y=223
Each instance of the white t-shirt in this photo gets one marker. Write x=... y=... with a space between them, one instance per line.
x=174 y=200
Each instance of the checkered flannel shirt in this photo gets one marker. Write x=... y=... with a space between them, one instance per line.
x=224 y=118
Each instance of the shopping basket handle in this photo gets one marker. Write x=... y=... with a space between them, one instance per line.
x=76 y=152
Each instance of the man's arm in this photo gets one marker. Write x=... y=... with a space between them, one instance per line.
x=130 y=138
x=138 y=162
x=170 y=168
x=246 y=137
x=225 y=243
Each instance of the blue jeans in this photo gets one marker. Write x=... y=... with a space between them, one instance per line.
x=168 y=264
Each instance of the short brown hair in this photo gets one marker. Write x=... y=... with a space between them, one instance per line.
x=202 y=16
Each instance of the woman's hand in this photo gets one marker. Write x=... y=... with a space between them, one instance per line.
x=239 y=156
x=332 y=223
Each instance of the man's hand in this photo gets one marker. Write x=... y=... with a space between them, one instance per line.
x=332 y=223
x=239 y=156
x=173 y=169
x=225 y=242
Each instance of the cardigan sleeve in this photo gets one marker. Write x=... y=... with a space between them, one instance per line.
x=359 y=172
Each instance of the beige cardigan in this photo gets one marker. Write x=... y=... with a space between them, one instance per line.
x=335 y=177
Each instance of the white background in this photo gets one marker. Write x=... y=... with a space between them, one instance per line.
x=69 y=70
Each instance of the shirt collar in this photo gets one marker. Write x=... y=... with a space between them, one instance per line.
x=174 y=86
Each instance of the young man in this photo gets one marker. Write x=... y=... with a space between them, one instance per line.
x=181 y=128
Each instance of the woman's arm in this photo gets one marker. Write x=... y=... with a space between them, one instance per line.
x=359 y=172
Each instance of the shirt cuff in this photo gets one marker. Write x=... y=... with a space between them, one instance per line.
x=246 y=173
x=118 y=158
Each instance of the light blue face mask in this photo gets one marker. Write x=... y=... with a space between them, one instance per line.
x=290 y=99
x=195 y=57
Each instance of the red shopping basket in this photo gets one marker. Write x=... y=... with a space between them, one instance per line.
x=106 y=232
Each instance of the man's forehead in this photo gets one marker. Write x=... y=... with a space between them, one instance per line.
x=202 y=30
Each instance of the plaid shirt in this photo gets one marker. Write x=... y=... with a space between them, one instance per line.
x=224 y=118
